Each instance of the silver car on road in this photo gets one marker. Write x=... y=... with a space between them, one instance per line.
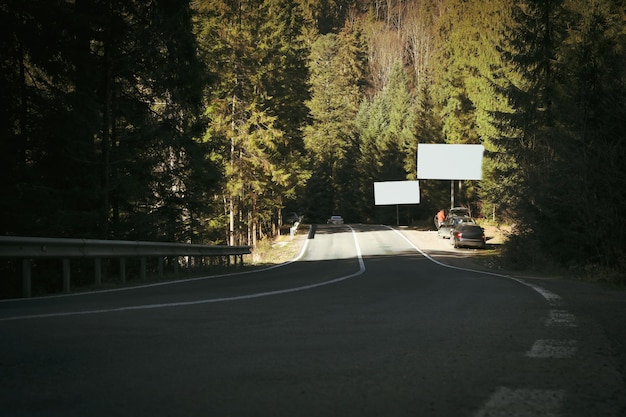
x=335 y=220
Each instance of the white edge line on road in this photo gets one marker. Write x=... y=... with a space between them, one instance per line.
x=553 y=299
x=211 y=300
x=506 y=402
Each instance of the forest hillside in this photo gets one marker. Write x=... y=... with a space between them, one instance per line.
x=206 y=120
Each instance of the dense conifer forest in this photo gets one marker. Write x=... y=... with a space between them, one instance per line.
x=205 y=120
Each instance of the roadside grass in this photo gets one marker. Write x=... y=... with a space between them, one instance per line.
x=278 y=250
x=504 y=253
x=614 y=277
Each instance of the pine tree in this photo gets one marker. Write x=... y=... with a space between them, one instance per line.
x=386 y=129
x=335 y=93
x=255 y=106
x=453 y=73
x=530 y=136
x=488 y=72
x=149 y=54
x=591 y=124
x=565 y=70
x=106 y=111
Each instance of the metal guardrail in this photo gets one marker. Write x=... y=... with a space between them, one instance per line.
x=29 y=248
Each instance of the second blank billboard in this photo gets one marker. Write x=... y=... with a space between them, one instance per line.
x=396 y=192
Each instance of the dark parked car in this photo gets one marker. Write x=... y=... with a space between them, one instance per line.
x=450 y=223
x=468 y=235
x=459 y=211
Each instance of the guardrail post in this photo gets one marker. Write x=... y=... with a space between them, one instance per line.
x=26 y=278
x=176 y=266
x=142 y=268
x=66 y=276
x=98 y=271
x=123 y=270
x=160 y=267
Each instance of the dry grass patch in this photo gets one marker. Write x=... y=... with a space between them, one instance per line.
x=279 y=250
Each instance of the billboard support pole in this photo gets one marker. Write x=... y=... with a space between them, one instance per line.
x=451 y=193
x=397 y=214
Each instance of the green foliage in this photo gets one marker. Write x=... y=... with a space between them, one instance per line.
x=326 y=16
x=561 y=132
x=335 y=92
x=202 y=120
x=386 y=133
x=98 y=126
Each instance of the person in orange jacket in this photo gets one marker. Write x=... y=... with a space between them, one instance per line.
x=441 y=216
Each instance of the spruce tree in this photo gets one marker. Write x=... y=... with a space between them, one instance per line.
x=591 y=123
x=105 y=103
x=255 y=53
x=334 y=65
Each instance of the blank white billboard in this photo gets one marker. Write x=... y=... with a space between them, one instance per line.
x=449 y=162
x=396 y=192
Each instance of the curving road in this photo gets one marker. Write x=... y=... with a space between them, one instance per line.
x=362 y=324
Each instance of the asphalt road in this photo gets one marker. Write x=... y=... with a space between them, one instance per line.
x=363 y=324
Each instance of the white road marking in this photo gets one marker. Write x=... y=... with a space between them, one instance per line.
x=552 y=298
x=507 y=402
x=561 y=318
x=552 y=348
x=210 y=300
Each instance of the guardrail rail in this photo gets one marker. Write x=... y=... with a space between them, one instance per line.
x=30 y=248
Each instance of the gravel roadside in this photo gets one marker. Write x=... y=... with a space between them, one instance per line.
x=443 y=251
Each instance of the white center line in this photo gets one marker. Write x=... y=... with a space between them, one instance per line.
x=552 y=348
x=507 y=402
x=560 y=318
x=553 y=299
